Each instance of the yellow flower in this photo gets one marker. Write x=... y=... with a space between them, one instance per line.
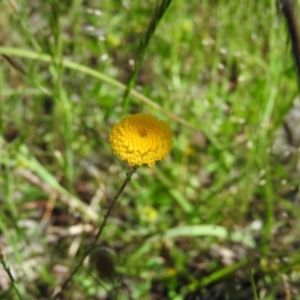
x=141 y=139
x=149 y=213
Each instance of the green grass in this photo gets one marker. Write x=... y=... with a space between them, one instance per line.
x=221 y=75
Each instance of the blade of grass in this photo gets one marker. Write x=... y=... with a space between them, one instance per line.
x=265 y=134
x=193 y=231
x=179 y=198
x=218 y=275
x=8 y=271
x=25 y=159
x=57 y=71
x=144 y=42
x=96 y=74
x=251 y=278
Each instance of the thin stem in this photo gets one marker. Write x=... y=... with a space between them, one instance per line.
x=252 y=278
x=269 y=214
x=7 y=270
x=144 y=42
x=101 y=228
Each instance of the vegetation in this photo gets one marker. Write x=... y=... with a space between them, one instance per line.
x=217 y=219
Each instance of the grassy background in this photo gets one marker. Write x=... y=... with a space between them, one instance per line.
x=221 y=74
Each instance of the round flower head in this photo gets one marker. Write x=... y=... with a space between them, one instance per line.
x=141 y=139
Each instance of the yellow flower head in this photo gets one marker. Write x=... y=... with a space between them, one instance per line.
x=141 y=139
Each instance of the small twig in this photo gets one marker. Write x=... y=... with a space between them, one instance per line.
x=7 y=270
x=97 y=236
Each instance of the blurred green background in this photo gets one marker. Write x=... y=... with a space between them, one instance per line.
x=221 y=74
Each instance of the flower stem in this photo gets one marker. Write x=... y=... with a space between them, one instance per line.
x=100 y=230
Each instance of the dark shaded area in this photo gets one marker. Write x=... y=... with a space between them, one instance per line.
x=288 y=8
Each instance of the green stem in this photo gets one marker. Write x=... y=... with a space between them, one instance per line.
x=269 y=214
x=252 y=278
x=101 y=228
x=7 y=270
x=218 y=275
x=144 y=42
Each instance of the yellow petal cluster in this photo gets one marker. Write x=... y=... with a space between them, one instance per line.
x=141 y=139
